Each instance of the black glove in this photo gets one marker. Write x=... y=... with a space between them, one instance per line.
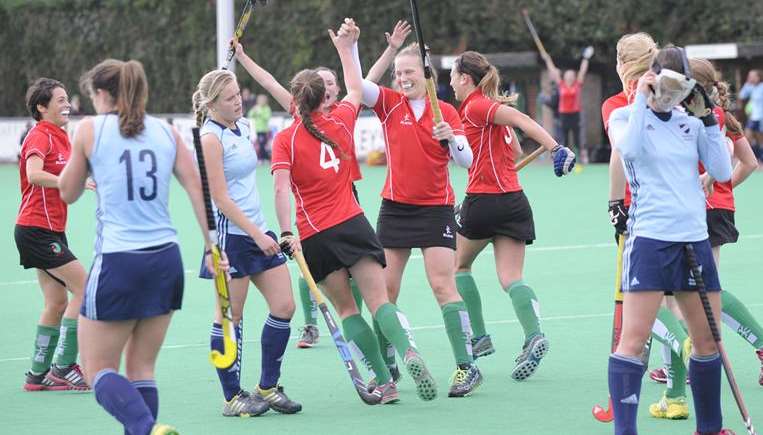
x=285 y=245
x=618 y=217
x=700 y=105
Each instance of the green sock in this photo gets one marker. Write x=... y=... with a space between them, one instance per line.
x=44 y=345
x=467 y=288
x=526 y=307
x=66 y=351
x=356 y=295
x=357 y=331
x=395 y=327
x=668 y=331
x=309 y=309
x=676 y=377
x=738 y=318
x=459 y=331
x=386 y=348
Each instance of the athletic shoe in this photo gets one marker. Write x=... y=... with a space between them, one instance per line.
x=41 y=383
x=759 y=352
x=393 y=370
x=426 y=387
x=245 y=404
x=278 y=400
x=163 y=429
x=388 y=392
x=308 y=337
x=659 y=375
x=464 y=381
x=482 y=346
x=528 y=361
x=71 y=378
x=670 y=408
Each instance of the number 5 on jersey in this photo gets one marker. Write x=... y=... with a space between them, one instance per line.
x=328 y=158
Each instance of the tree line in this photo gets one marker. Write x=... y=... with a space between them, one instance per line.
x=175 y=39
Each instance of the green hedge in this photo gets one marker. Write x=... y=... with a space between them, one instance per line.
x=175 y=39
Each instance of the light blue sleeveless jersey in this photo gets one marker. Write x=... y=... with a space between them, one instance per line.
x=132 y=177
x=239 y=165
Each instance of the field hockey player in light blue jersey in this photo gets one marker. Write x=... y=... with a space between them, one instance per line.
x=661 y=147
x=136 y=281
x=253 y=251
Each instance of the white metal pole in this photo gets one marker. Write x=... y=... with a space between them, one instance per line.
x=225 y=17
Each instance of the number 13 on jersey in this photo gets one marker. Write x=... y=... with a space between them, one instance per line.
x=328 y=158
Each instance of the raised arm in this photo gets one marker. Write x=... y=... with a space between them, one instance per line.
x=587 y=53
x=344 y=41
x=264 y=78
x=394 y=42
x=553 y=71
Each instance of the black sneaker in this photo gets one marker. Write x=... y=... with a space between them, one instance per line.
x=40 y=382
x=67 y=378
x=465 y=380
x=278 y=400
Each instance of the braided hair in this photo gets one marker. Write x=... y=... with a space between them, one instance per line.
x=308 y=92
x=706 y=75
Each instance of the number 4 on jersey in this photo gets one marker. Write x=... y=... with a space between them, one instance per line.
x=328 y=158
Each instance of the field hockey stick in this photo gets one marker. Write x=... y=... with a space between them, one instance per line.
x=533 y=155
x=246 y=13
x=534 y=33
x=696 y=273
x=606 y=415
x=431 y=89
x=336 y=334
x=228 y=357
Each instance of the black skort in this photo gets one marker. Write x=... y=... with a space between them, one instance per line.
x=42 y=249
x=487 y=215
x=341 y=246
x=416 y=226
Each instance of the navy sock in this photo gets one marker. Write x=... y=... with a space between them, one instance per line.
x=625 y=389
x=275 y=337
x=150 y=393
x=230 y=377
x=119 y=398
x=705 y=375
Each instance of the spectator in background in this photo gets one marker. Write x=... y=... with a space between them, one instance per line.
x=247 y=99
x=753 y=91
x=551 y=100
x=260 y=115
x=570 y=86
